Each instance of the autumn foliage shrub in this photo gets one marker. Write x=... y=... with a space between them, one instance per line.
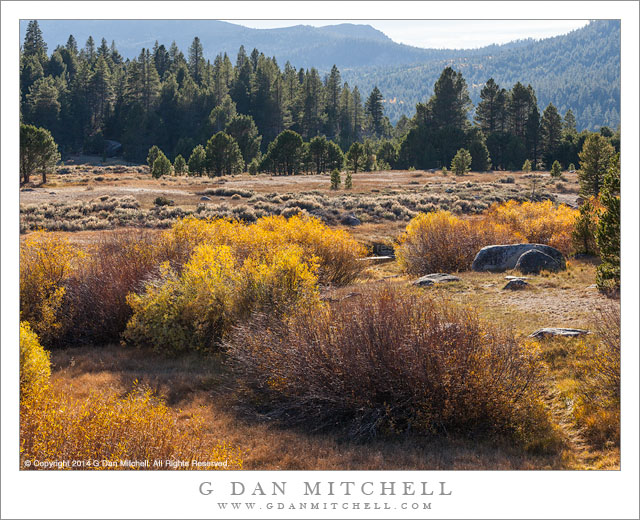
x=138 y=427
x=536 y=222
x=597 y=407
x=440 y=241
x=389 y=360
x=96 y=305
x=46 y=262
x=194 y=309
x=35 y=367
x=336 y=253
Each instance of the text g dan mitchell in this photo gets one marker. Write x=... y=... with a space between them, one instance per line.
x=329 y=488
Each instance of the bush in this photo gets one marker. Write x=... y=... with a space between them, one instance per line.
x=336 y=253
x=137 y=427
x=96 y=309
x=193 y=311
x=597 y=407
x=163 y=201
x=440 y=241
x=507 y=180
x=536 y=222
x=35 y=367
x=46 y=262
x=389 y=361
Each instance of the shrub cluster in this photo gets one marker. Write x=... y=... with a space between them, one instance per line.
x=216 y=288
x=441 y=241
x=597 y=408
x=55 y=427
x=389 y=360
x=46 y=261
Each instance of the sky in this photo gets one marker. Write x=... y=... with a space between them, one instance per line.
x=449 y=34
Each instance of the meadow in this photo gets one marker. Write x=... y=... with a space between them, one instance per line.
x=239 y=319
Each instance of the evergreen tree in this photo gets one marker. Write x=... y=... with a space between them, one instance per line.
x=38 y=152
x=223 y=156
x=556 y=169
x=179 y=165
x=461 y=163
x=570 y=122
x=335 y=179
x=34 y=44
x=551 y=129
x=526 y=167
x=375 y=112
x=332 y=103
x=355 y=156
x=335 y=157
x=348 y=180
x=197 y=161
x=242 y=128
x=153 y=154
x=318 y=147
x=491 y=108
x=584 y=230
x=608 y=230
x=196 y=61
x=43 y=104
x=161 y=166
x=594 y=161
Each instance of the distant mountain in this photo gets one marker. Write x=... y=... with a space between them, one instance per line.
x=345 y=45
x=579 y=70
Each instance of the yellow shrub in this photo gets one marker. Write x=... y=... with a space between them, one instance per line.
x=336 y=252
x=46 y=260
x=440 y=241
x=106 y=428
x=536 y=222
x=194 y=309
x=35 y=367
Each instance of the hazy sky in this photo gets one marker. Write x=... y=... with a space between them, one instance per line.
x=451 y=34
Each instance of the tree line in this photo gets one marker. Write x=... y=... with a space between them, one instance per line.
x=221 y=118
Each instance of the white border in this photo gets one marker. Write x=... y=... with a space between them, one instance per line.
x=479 y=494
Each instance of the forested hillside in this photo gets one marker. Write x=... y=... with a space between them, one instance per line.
x=578 y=71
x=263 y=116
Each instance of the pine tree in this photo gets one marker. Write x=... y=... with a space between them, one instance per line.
x=223 y=156
x=355 y=156
x=197 y=161
x=335 y=179
x=584 y=230
x=38 y=152
x=34 y=44
x=161 y=166
x=196 y=61
x=526 y=167
x=608 y=230
x=491 y=107
x=594 y=161
x=153 y=154
x=461 y=163
x=375 y=112
x=551 y=129
x=556 y=169
x=179 y=165
x=348 y=180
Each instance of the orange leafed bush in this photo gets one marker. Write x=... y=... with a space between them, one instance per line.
x=35 y=367
x=390 y=360
x=536 y=222
x=440 y=241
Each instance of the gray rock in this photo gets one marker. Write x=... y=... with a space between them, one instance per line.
x=534 y=261
x=515 y=285
x=516 y=277
x=500 y=258
x=553 y=331
x=204 y=198
x=350 y=220
x=430 y=279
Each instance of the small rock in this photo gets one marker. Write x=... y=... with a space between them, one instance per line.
x=515 y=285
x=534 y=261
x=516 y=277
x=430 y=279
x=350 y=220
x=552 y=331
x=52 y=193
x=593 y=286
x=26 y=189
x=204 y=198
